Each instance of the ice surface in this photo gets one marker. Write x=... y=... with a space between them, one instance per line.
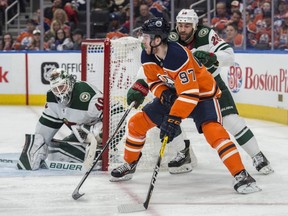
x=206 y=191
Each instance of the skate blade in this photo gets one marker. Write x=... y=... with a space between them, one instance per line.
x=266 y=170
x=124 y=178
x=185 y=168
x=249 y=188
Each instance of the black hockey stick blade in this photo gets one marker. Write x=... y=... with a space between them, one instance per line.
x=76 y=195
x=129 y=208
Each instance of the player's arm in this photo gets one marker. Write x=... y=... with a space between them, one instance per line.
x=218 y=53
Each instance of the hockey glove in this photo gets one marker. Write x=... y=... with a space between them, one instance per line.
x=168 y=97
x=170 y=127
x=137 y=92
x=206 y=58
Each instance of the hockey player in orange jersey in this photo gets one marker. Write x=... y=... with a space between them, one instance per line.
x=169 y=67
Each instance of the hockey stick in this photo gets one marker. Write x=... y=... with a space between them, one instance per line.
x=129 y=208
x=76 y=195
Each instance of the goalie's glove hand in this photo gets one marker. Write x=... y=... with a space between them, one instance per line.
x=206 y=58
x=170 y=127
x=168 y=97
x=137 y=93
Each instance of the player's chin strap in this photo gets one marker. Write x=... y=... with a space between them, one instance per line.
x=153 y=47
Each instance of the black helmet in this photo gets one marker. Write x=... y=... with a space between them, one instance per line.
x=157 y=26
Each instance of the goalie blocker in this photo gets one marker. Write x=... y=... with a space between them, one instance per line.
x=35 y=152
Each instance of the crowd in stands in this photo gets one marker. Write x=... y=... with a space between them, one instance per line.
x=63 y=32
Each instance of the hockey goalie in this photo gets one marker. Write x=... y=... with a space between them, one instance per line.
x=76 y=104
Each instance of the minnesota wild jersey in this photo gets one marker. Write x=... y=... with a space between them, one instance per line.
x=85 y=107
x=206 y=39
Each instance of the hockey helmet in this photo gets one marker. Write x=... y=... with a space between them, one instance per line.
x=157 y=26
x=61 y=84
x=188 y=16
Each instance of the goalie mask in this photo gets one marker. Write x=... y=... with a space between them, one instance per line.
x=188 y=16
x=61 y=84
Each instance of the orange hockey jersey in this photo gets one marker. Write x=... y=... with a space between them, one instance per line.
x=179 y=70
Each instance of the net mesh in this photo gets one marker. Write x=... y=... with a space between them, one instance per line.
x=125 y=55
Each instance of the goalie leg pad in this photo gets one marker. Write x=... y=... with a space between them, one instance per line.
x=60 y=150
x=34 y=152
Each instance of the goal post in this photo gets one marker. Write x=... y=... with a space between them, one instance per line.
x=112 y=66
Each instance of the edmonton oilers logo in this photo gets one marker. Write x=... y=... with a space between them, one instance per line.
x=235 y=78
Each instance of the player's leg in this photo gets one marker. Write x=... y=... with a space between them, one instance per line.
x=138 y=126
x=208 y=121
x=237 y=127
x=34 y=152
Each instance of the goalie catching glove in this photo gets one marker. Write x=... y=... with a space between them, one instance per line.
x=137 y=93
x=170 y=127
x=206 y=58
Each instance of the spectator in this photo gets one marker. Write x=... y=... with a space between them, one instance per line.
x=281 y=10
x=62 y=42
x=236 y=19
x=48 y=11
x=109 y=5
x=60 y=15
x=50 y=35
x=233 y=38
x=263 y=32
x=204 y=21
x=36 y=44
x=218 y=22
x=250 y=31
x=125 y=27
x=157 y=8
x=24 y=39
x=144 y=15
x=36 y=18
x=66 y=5
x=265 y=8
x=114 y=24
x=282 y=38
x=7 y=42
x=235 y=6
x=77 y=37
x=3 y=6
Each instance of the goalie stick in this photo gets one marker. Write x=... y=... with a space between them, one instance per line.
x=76 y=195
x=129 y=208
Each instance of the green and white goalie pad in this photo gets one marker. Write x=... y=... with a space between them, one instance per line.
x=34 y=152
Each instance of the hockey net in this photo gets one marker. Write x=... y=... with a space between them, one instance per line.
x=112 y=66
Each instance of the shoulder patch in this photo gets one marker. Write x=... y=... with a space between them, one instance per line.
x=203 y=32
x=85 y=96
x=173 y=36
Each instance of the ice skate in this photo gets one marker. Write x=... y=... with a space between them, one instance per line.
x=124 y=172
x=182 y=162
x=245 y=184
x=261 y=164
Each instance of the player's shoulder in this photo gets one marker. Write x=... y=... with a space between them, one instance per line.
x=202 y=34
x=84 y=89
x=177 y=55
x=50 y=97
